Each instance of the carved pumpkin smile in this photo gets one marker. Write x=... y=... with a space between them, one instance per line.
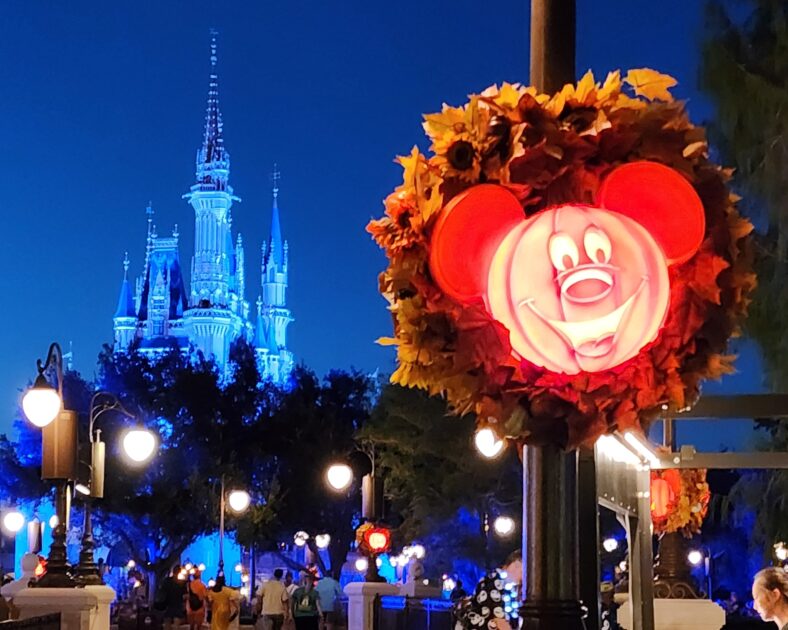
x=592 y=338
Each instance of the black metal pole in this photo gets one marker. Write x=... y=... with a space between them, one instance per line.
x=87 y=570
x=58 y=573
x=550 y=528
x=550 y=546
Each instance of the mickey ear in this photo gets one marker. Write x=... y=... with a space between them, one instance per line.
x=660 y=200
x=466 y=236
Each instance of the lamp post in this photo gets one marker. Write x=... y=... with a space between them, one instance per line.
x=239 y=501
x=43 y=406
x=699 y=556
x=139 y=450
x=340 y=475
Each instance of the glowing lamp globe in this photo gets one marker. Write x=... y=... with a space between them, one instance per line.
x=610 y=544
x=339 y=476
x=239 y=500
x=503 y=525
x=361 y=564
x=13 y=521
x=695 y=557
x=54 y=521
x=487 y=443
x=579 y=288
x=41 y=403
x=322 y=541
x=300 y=538
x=139 y=444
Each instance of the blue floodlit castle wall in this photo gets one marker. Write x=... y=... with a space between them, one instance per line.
x=160 y=312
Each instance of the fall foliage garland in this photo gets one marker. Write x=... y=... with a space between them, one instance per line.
x=551 y=149
x=686 y=505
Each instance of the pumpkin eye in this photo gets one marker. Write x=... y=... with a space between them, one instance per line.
x=563 y=251
x=597 y=245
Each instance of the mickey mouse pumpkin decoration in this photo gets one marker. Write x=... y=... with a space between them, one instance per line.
x=579 y=288
x=563 y=265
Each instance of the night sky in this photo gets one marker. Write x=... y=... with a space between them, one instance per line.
x=103 y=110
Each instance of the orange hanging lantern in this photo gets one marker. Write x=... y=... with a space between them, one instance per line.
x=377 y=540
x=661 y=498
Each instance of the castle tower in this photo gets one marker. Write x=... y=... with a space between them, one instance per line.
x=125 y=319
x=276 y=361
x=214 y=317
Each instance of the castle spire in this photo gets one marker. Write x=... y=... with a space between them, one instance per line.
x=276 y=249
x=213 y=161
x=125 y=299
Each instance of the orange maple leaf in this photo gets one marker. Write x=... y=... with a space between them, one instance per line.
x=651 y=84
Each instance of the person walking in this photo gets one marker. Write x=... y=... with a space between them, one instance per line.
x=224 y=605
x=290 y=587
x=330 y=591
x=274 y=602
x=307 y=611
x=172 y=597
x=195 y=601
x=770 y=595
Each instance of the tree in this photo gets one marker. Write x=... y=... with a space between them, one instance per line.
x=439 y=487
x=745 y=71
x=313 y=425
x=212 y=425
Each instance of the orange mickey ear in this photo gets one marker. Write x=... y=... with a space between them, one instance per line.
x=466 y=236
x=660 y=200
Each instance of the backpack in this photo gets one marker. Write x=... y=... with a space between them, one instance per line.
x=195 y=603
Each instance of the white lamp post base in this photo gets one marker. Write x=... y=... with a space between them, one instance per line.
x=80 y=608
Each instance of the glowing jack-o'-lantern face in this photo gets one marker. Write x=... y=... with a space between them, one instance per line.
x=579 y=288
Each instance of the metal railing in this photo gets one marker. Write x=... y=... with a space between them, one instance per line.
x=406 y=613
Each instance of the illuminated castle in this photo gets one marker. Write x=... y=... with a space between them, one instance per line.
x=160 y=313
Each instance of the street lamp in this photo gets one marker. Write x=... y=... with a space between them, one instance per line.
x=138 y=445
x=702 y=555
x=138 y=449
x=504 y=525
x=322 y=541
x=488 y=443
x=42 y=402
x=300 y=538
x=13 y=521
x=339 y=476
x=239 y=501
x=43 y=406
x=610 y=544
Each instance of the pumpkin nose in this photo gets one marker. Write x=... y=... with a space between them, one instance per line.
x=586 y=285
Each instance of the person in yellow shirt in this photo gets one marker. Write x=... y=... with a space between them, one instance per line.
x=274 y=602
x=224 y=604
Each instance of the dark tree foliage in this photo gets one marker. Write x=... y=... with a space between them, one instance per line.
x=313 y=426
x=436 y=482
x=274 y=443
x=745 y=71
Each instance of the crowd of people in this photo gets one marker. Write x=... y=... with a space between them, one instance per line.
x=280 y=603
x=312 y=604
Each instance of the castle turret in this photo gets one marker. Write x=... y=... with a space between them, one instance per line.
x=276 y=362
x=125 y=318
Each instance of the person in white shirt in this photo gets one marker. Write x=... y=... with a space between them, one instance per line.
x=274 y=604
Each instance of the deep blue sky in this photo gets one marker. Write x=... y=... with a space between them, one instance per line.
x=103 y=110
